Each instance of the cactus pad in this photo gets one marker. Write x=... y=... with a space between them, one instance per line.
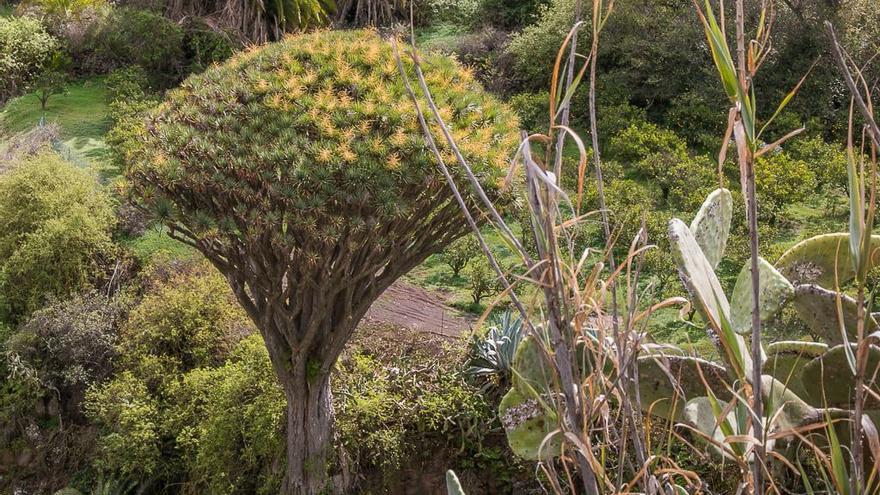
x=813 y=261
x=532 y=374
x=697 y=273
x=831 y=373
x=774 y=292
x=785 y=361
x=711 y=226
x=657 y=391
x=527 y=425
x=817 y=307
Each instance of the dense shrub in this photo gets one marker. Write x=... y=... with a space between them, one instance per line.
x=827 y=161
x=129 y=36
x=126 y=84
x=390 y=407
x=66 y=347
x=781 y=180
x=509 y=14
x=25 y=48
x=534 y=48
x=54 y=232
x=204 y=46
x=188 y=321
x=532 y=109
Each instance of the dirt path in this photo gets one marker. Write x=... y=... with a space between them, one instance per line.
x=409 y=306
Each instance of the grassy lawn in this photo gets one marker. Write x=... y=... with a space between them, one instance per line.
x=81 y=113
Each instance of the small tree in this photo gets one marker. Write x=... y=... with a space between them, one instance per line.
x=51 y=81
x=482 y=281
x=457 y=255
x=300 y=171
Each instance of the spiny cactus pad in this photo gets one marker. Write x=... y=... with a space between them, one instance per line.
x=711 y=226
x=785 y=361
x=697 y=273
x=532 y=374
x=774 y=292
x=453 y=486
x=527 y=425
x=657 y=391
x=817 y=307
x=813 y=261
x=831 y=374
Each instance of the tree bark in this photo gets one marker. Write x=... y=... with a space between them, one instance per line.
x=309 y=431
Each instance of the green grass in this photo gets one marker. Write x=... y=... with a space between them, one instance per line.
x=81 y=112
x=154 y=243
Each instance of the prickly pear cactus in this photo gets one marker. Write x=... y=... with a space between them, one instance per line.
x=666 y=382
x=814 y=260
x=697 y=273
x=528 y=423
x=786 y=359
x=711 y=226
x=817 y=307
x=774 y=292
x=831 y=382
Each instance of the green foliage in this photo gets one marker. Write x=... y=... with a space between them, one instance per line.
x=128 y=418
x=826 y=161
x=66 y=347
x=25 y=48
x=383 y=419
x=459 y=253
x=126 y=84
x=781 y=180
x=482 y=280
x=510 y=14
x=128 y=36
x=54 y=232
x=534 y=48
x=532 y=109
x=182 y=364
x=434 y=12
x=204 y=46
x=229 y=423
x=189 y=320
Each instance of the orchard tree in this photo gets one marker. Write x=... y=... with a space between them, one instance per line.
x=300 y=171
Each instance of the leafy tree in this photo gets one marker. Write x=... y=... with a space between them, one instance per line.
x=55 y=224
x=482 y=281
x=25 y=48
x=457 y=255
x=300 y=171
x=52 y=80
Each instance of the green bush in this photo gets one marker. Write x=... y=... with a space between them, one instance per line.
x=509 y=14
x=128 y=36
x=203 y=46
x=126 y=84
x=459 y=253
x=389 y=410
x=532 y=109
x=66 y=347
x=185 y=321
x=826 y=161
x=55 y=224
x=25 y=48
x=128 y=418
x=229 y=423
x=534 y=49
x=781 y=180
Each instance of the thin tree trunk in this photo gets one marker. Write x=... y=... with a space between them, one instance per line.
x=309 y=432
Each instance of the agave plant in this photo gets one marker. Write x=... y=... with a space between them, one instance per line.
x=493 y=354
